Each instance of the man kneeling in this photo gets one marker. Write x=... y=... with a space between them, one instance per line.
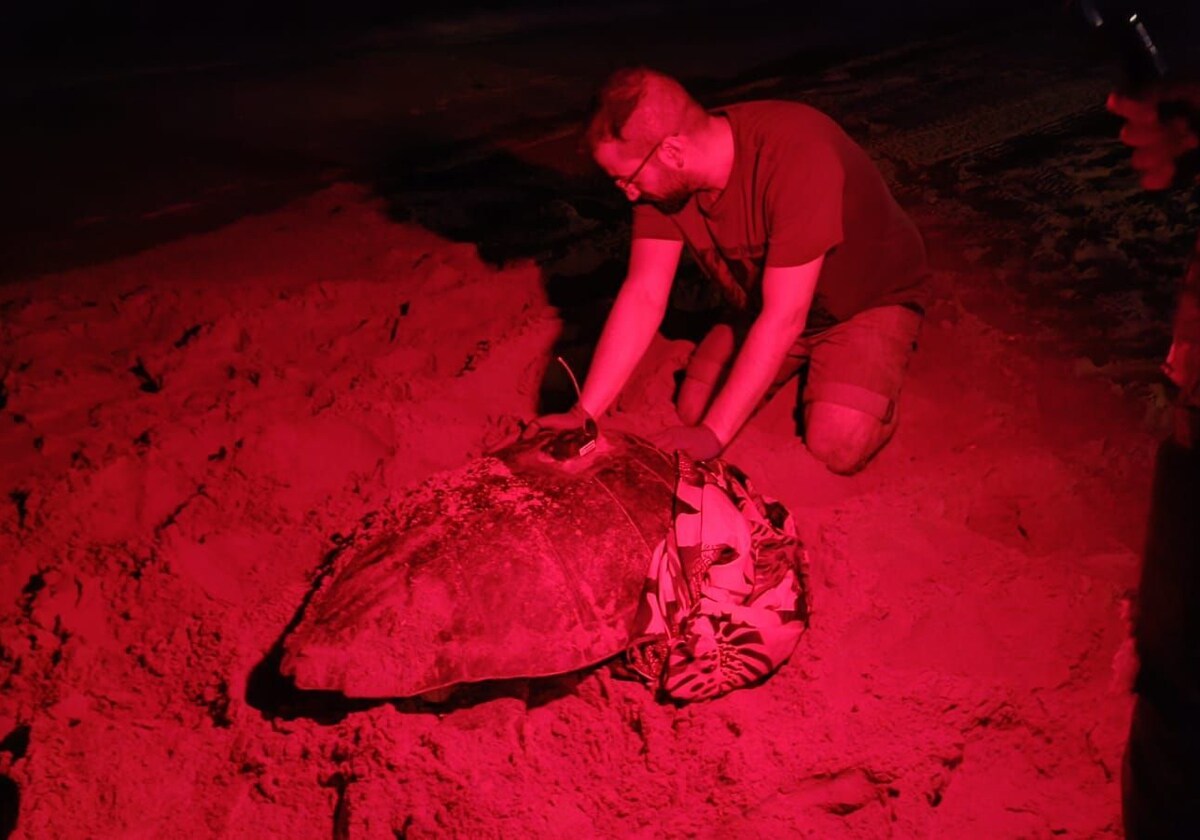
x=817 y=264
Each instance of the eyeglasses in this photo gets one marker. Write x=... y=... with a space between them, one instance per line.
x=627 y=182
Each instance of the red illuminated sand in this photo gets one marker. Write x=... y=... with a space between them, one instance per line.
x=189 y=430
x=967 y=584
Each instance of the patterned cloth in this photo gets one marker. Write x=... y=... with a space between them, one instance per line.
x=726 y=597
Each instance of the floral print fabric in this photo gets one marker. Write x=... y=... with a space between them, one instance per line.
x=725 y=600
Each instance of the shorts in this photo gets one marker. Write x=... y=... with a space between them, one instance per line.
x=858 y=363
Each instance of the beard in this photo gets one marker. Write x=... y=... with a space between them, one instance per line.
x=673 y=201
x=676 y=193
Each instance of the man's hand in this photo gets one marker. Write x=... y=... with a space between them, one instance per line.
x=699 y=442
x=1157 y=143
x=573 y=419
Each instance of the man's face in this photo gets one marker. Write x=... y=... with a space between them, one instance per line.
x=645 y=178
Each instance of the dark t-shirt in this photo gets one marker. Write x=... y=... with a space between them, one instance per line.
x=799 y=188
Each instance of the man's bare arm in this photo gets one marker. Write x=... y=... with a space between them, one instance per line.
x=635 y=317
x=787 y=295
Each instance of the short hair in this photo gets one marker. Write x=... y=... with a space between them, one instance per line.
x=641 y=106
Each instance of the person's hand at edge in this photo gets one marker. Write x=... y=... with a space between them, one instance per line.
x=1157 y=143
x=699 y=442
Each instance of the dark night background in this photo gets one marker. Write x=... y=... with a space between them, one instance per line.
x=117 y=111
x=264 y=267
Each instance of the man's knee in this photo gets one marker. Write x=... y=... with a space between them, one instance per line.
x=844 y=439
x=705 y=371
x=693 y=399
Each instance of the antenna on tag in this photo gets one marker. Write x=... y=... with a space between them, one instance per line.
x=589 y=430
x=574 y=381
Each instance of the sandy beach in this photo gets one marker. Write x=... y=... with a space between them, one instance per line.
x=192 y=425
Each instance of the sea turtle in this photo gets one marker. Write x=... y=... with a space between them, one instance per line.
x=527 y=562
